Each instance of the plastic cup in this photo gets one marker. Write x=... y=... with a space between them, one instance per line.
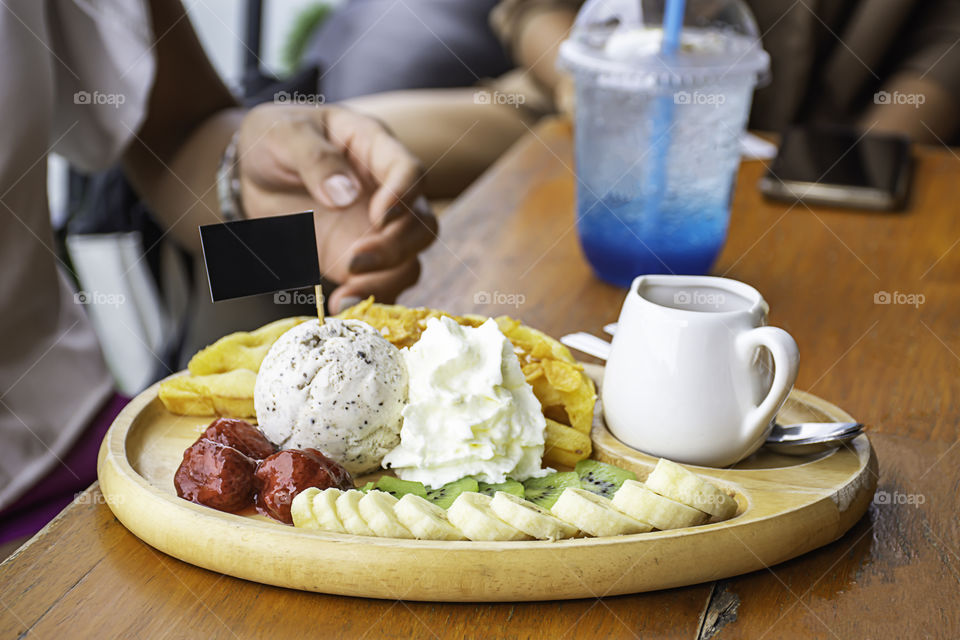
x=657 y=137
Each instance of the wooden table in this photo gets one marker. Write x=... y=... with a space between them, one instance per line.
x=510 y=240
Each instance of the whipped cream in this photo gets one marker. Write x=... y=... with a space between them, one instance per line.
x=471 y=412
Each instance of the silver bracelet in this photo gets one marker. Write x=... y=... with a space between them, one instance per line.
x=228 y=182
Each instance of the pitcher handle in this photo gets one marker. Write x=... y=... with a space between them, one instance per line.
x=786 y=359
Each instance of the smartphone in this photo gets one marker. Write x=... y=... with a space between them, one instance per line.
x=840 y=167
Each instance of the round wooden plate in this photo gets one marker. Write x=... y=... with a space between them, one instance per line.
x=787 y=506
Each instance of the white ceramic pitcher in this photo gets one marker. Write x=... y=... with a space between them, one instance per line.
x=689 y=376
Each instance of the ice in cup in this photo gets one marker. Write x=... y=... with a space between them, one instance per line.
x=657 y=135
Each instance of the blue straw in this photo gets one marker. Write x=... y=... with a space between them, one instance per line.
x=663 y=111
x=672 y=27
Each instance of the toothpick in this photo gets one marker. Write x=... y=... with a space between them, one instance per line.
x=318 y=295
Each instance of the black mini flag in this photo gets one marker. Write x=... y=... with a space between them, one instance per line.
x=263 y=255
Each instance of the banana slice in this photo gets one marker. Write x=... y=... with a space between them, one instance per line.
x=532 y=519
x=637 y=501
x=673 y=481
x=301 y=509
x=349 y=513
x=424 y=519
x=471 y=513
x=594 y=514
x=324 y=506
x=376 y=507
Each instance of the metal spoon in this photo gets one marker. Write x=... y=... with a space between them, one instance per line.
x=833 y=435
x=799 y=439
x=588 y=344
x=807 y=438
x=807 y=431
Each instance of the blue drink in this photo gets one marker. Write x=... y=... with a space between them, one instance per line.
x=657 y=142
x=653 y=202
x=618 y=251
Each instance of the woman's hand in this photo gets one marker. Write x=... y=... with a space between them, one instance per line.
x=362 y=183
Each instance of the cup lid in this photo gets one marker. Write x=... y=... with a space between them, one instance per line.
x=621 y=41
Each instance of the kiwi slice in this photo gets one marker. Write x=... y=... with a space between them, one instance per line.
x=510 y=486
x=399 y=488
x=545 y=491
x=445 y=495
x=601 y=478
x=367 y=487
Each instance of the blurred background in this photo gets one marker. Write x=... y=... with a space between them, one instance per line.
x=147 y=298
x=142 y=321
x=458 y=81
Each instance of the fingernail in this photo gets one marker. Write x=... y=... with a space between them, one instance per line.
x=348 y=302
x=341 y=190
x=363 y=262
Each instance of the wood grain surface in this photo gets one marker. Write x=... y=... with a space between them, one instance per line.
x=510 y=240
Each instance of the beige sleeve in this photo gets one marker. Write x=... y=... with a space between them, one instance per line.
x=508 y=16
x=104 y=77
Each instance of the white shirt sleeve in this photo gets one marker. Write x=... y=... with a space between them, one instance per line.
x=104 y=67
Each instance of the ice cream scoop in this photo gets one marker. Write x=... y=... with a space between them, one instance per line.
x=339 y=387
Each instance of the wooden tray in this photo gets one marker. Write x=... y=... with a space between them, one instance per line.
x=787 y=506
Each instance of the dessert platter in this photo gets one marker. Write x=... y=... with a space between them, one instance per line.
x=411 y=454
